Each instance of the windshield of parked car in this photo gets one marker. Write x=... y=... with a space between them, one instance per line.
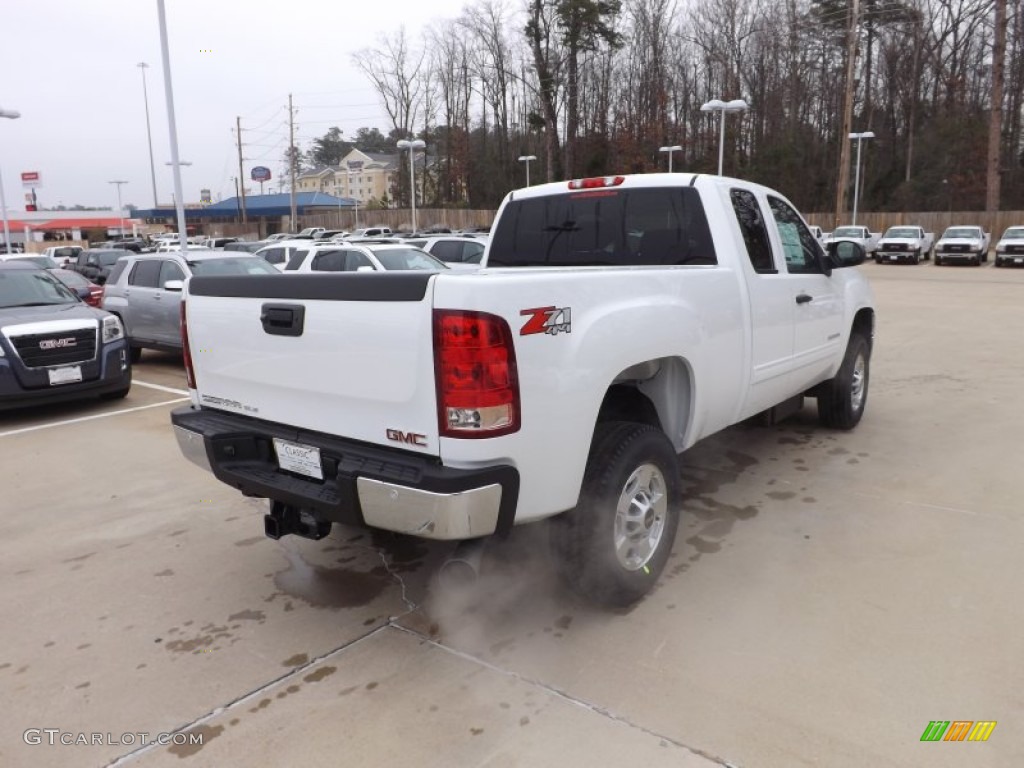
x=901 y=232
x=233 y=265
x=406 y=259
x=1014 y=233
x=961 y=232
x=32 y=288
x=848 y=232
x=109 y=258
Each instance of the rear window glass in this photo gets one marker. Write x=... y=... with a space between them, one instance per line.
x=240 y=265
x=604 y=227
x=406 y=259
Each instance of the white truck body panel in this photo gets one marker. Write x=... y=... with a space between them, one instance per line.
x=709 y=345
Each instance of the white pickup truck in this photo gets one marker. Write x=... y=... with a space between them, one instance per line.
x=905 y=243
x=1010 y=248
x=962 y=243
x=616 y=321
x=855 y=234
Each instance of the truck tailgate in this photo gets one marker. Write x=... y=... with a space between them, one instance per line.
x=338 y=353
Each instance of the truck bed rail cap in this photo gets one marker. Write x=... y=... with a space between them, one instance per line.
x=364 y=286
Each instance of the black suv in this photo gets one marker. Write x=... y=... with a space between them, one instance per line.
x=54 y=347
x=96 y=263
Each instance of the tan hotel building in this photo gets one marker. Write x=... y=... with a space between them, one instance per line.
x=364 y=176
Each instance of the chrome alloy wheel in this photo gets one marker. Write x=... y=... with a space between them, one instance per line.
x=857 y=382
x=640 y=517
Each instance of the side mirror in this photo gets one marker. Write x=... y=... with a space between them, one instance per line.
x=174 y=285
x=846 y=253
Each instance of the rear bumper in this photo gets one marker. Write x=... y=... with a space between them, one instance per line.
x=363 y=484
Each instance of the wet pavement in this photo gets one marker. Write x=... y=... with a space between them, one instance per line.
x=829 y=593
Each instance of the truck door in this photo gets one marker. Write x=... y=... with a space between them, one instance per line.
x=817 y=299
x=771 y=307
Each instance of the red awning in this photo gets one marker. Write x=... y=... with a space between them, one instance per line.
x=20 y=225
x=58 y=224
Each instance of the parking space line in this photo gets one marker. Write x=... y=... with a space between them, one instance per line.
x=64 y=422
x=161 y=387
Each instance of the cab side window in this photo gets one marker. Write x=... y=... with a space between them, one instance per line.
x=146 y=274
x=803 y=253
x=755 y=235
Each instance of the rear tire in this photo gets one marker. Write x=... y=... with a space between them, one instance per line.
x=612 y=547
x=841 y=400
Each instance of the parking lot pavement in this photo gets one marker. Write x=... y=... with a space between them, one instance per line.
x=830 y=593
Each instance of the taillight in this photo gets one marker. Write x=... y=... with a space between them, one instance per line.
x=596 y=182
x=475 y=371
x=190 y=377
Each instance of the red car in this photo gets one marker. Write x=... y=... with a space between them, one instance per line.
x=87 y=291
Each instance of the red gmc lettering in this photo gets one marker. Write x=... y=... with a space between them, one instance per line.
x=412 y=438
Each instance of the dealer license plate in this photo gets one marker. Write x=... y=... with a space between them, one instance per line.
x=894 y=257
x=1018 y=260
x=298 y=458
x=68 y=375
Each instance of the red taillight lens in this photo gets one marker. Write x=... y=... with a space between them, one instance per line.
x=475 y=371
x=190 y=376
x=596 y=182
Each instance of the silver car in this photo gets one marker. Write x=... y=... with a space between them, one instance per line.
x=144 y=290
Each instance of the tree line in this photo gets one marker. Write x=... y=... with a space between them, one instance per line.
x=593 y=87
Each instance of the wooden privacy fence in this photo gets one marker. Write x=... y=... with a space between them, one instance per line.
x=931 y=221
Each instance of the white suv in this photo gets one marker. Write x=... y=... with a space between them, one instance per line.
x=374 y=256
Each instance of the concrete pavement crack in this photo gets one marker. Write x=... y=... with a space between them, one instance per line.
x=564 y=696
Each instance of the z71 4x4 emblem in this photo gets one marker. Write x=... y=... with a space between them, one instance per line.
x=552 y=320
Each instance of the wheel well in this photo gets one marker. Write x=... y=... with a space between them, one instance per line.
x=624 y=402
x=864 y=324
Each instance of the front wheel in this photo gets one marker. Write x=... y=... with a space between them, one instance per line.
x=612 y=547
x=841 y=400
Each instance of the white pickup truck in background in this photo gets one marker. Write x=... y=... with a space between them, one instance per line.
x=962 y=243
x=1010 y=248
x=616 y=321
x=855 y=234
x=905 y=243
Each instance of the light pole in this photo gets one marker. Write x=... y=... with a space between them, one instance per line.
x=179 y=198
x=120 y=210
x=172 y=126
x=349 y=172
x=143 y=66
x=11 y=115
x=412 y=146
x=717 y=105
x=856 y=175
x=670 y=150
x=526 y=160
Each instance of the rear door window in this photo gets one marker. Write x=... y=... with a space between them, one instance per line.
x=604 y=227
x=755 y=235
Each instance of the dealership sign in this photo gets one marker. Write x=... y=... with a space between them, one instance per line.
x=260 y=173
x=31 y=179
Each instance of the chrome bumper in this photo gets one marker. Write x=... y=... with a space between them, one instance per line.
x=193 y=447
x=453 y=516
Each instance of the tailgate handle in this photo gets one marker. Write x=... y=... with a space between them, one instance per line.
x=283 y=319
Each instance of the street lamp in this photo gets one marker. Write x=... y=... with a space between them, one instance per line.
x=172 y=126
x=178 y=195
x=350 y=172
x=11 y=115
x=526 y=160
x=412 y=146
x=149 y=135
x=856 y=176
x=120 y=210
x=717 y=105
x=670 y=150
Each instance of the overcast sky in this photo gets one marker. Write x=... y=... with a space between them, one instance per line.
x=69 y=67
